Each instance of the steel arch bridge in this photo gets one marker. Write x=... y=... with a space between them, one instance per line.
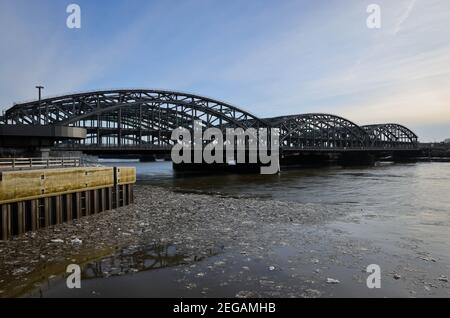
x=131 y=117
x=391 y=136
x=318 y=131
x=143 y=120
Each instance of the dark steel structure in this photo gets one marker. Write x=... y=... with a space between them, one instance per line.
x=130 y=117
x=391 y=136
x=318 y=131
x=142 y=121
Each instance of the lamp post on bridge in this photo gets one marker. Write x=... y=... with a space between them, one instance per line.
x=40 y=88
x=45 y=152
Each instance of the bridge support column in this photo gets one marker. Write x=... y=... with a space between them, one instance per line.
x=216 y=168
x=307 y=159
x=405 y=156
x=233 y=167
x=147 y=158
x=356 y=158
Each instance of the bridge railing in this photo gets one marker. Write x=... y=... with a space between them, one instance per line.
x=39 y=163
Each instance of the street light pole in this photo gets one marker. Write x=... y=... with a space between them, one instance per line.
x=40 y=88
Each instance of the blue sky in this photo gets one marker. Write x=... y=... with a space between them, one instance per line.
x=269 y=57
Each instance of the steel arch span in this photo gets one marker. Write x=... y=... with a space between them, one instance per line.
x=131 y=117
x=391 y=136
x=318 y=131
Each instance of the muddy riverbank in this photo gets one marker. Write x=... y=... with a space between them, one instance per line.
x=185 y=244
x=199 y=225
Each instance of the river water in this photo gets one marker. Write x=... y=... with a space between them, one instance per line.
x=402 y=210
x=415 y=198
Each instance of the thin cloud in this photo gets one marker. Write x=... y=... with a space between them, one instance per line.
x=405 y=16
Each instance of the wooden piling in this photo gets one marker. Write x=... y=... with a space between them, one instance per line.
x=58 y=209
x=87 y=204
x=116 y=196
x=6 y=221
x=78 y=212
x=47 y=212
x=69 y=207
x=21 y=222
x=102 y=200
x=123 y=195
x=132 y=193
x=109 y=201
x=34 y=206
x=95 y=201
x=41 y=212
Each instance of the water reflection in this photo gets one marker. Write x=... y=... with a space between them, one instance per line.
x=138 y=258
x=134 y=259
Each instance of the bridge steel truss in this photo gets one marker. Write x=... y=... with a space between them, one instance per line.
x=146 y=118
x=132 y=117
x=319 y=131
x=391 y=136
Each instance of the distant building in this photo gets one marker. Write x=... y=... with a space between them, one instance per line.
x=447 y=141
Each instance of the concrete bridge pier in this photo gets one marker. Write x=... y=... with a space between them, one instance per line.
x=225 y=166
x=406 y=156
x=216 y=168
x=319 y=158
x=307 y=159
x=147 y=158
x=357 y=158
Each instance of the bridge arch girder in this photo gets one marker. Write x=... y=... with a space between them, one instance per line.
x=391 y=135
x=132 y=111
x=318 y=130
